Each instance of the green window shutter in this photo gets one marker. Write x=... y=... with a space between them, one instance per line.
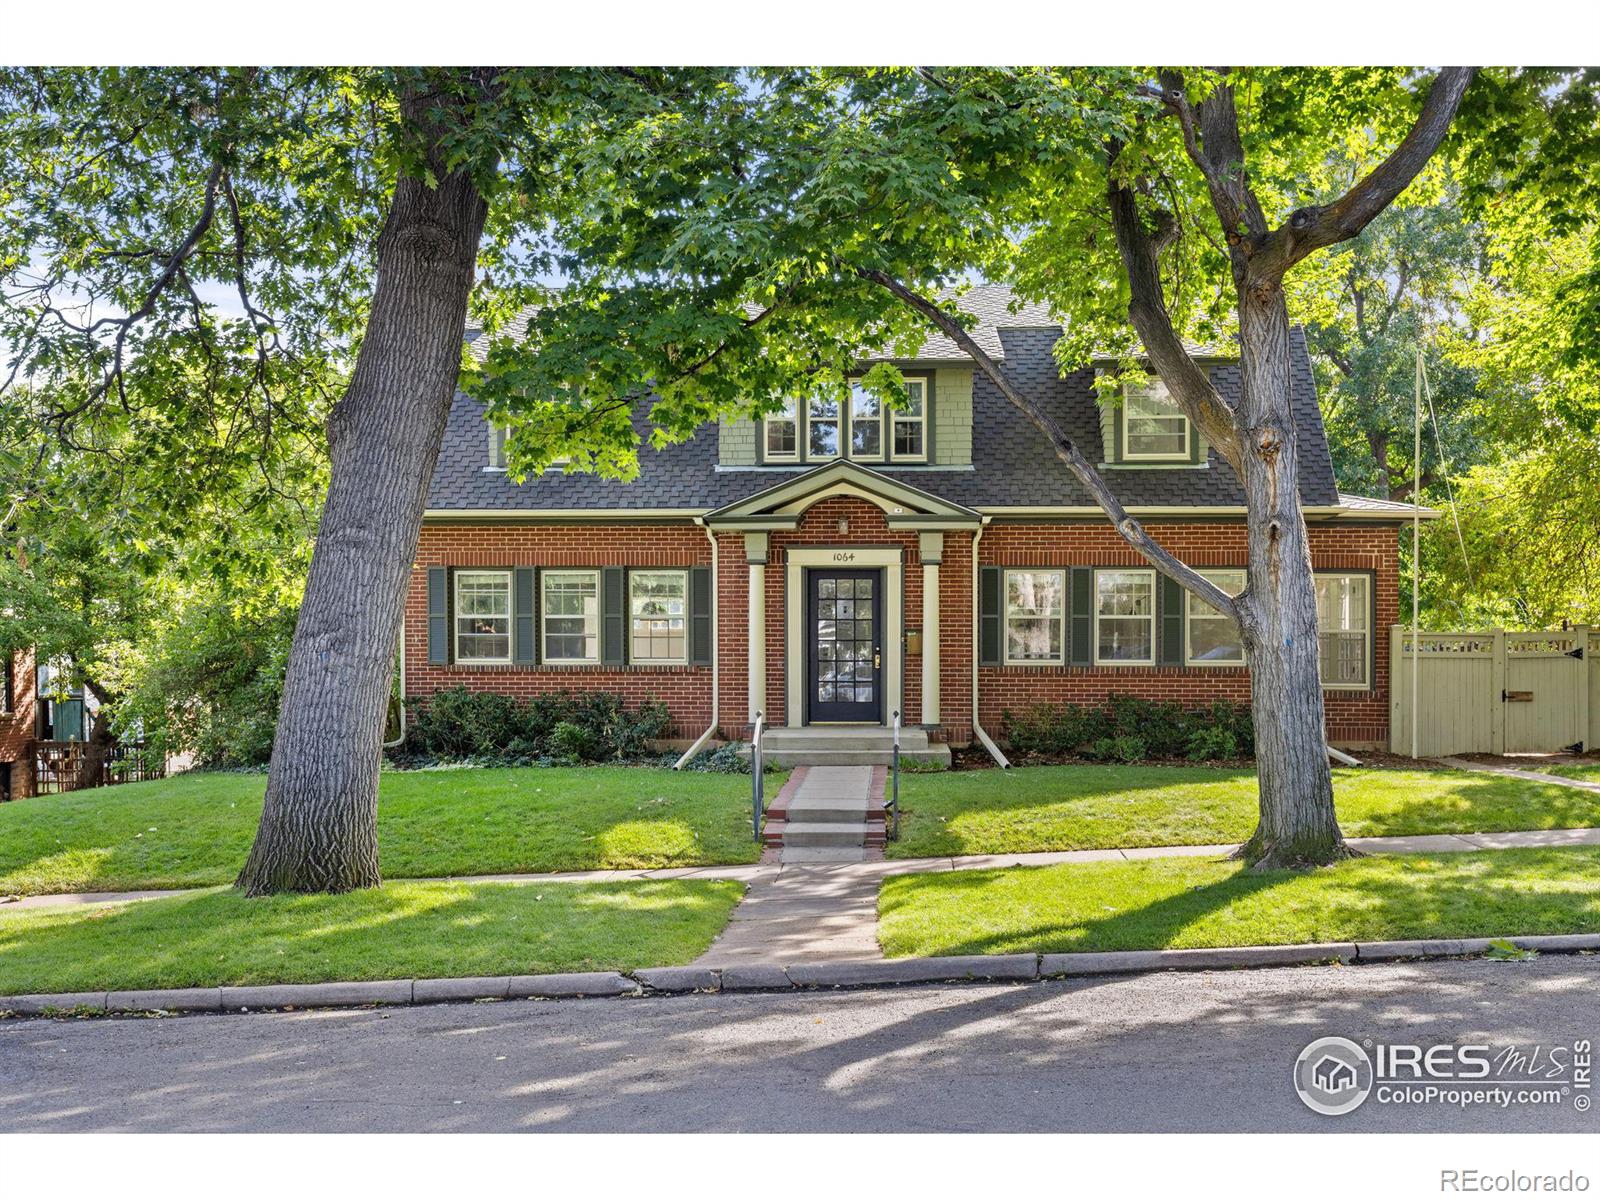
x=700 y=616
x=614 y=616
x=1116 y=431
x=438 y=616
x=1080 y=639
x=991 y=620
x=525 y=637
x=1171 y=651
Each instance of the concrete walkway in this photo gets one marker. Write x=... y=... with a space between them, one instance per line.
x=1462 y=764
x=802 y=913
x=753 y=873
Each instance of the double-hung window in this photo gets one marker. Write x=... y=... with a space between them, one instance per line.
x=1212 y=640
x=1154 y=428
x=658 y=612
x=782 y=433
x=1124 y=617
x=822 y=427
x=1344 y=630
x=571 y=616
x=483 y=616
x=866 y=424
x=909 y=425
x=1035 y=612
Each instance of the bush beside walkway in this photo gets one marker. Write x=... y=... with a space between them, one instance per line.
x=399 y=931
x=1177 y=903
x=195 y=830
x=1030 y=809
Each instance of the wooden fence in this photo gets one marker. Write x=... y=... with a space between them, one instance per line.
x=1493 y=692
x=63 y=766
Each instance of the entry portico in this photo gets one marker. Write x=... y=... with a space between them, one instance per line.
x=848 y=641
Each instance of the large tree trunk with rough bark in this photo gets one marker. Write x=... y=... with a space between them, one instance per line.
x=318 y=830
x=1278 y=614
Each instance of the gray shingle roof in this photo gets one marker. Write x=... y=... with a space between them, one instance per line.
x=1013 y=465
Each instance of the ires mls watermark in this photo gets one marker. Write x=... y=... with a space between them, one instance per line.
x=1335 y=1076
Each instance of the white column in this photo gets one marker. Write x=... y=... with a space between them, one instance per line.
x=755 y=549
x=932 y=553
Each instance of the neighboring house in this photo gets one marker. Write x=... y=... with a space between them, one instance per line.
x=832 y=565
x=18 y=714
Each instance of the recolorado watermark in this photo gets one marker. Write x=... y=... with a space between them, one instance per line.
x=1506 y=1183
x=1335 y=1075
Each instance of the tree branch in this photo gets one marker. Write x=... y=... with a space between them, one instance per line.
x=1065 y=449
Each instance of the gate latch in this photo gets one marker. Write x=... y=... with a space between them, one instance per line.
x=1578 y=653
x=1516 y=697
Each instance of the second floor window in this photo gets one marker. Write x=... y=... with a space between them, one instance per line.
x=859 y=427
x=911 y=424
x=783 y=435
x=1154 y=428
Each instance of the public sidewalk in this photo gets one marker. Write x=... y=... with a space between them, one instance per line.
x=1432 y=843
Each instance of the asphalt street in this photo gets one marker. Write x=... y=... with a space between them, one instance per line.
x=1189 y=1052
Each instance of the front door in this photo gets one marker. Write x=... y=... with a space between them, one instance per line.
x=844 y=663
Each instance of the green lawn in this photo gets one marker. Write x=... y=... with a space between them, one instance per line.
x=1588 y=772
x=1084 y=808
x=399 y=931
x=195 y=830
x=1187 y=902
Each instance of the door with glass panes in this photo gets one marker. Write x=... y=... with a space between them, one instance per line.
x=844 y=661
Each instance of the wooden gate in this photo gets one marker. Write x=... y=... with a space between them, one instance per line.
x=1493 y=692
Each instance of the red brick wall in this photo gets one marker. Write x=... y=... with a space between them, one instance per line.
x=685 y=690
x=17 y=727
x=1354 y=718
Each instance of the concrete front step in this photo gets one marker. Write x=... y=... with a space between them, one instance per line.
x=856 y=758
x=818 y=833
x=777 y=834
x=849 y=745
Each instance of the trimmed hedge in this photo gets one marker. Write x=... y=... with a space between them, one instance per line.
x=556 y=728
x=1129 y=729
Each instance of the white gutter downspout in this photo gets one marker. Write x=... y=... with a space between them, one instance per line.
x=699 y=742
x=977 y=632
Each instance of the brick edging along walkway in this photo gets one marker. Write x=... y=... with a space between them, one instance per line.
x=768 y=977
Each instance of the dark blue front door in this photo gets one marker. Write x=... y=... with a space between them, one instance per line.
x=844 y=663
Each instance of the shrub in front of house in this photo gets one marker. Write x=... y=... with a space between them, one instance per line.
x=1129 y=729
x=456 y=725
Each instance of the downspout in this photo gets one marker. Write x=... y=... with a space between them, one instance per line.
x=716 y=580
x=984 y=739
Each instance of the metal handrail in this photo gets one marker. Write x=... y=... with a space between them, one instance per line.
x=757 y=778
x=894 y=801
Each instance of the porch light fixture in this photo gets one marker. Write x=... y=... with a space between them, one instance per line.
x=844 y=524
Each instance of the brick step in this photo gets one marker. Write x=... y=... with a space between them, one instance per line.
x=874 y=832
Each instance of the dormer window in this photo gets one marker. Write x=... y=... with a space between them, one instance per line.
x=866 y=424
x=782 y=433
x=1154 y=428
x=822 y=428
x=909 y=442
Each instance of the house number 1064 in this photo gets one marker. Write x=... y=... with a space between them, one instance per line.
x=844 y=556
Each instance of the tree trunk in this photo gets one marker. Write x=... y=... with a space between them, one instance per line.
x=1297 y=823
x=318 y=830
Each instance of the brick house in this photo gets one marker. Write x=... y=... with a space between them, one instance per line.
x=18 y=719
x=835 y=563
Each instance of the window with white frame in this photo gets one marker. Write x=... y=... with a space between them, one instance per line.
x=1344 y=630
x=866 y=424
x=909 y=425
x=783 y=434
x=483 y=616
x=1125 y=617
x=822 y=427
x=1211 y=639
x=1154 y=428
x=571 y=616
x=658 y=606
x=1035 y=613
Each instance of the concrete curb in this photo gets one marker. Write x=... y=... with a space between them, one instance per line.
x=769 y=977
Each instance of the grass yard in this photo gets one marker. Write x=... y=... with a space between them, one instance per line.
x=1089 y=808
x=400 y=931
x=195 y=830
x=1159 y=903
x=1588 y=772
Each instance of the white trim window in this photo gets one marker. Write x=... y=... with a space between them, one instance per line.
x=1211 y=639
x=822 y=428
x=570 y=616
x=1125 y=618
x=483 y=616
x=1035 y=616
x=908 y=426
x=1154 y=428
x=781 y=434
x=866 y=424
x=1344 y=631
x=658 y=612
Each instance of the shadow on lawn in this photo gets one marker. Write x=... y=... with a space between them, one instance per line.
x=1478 y=895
